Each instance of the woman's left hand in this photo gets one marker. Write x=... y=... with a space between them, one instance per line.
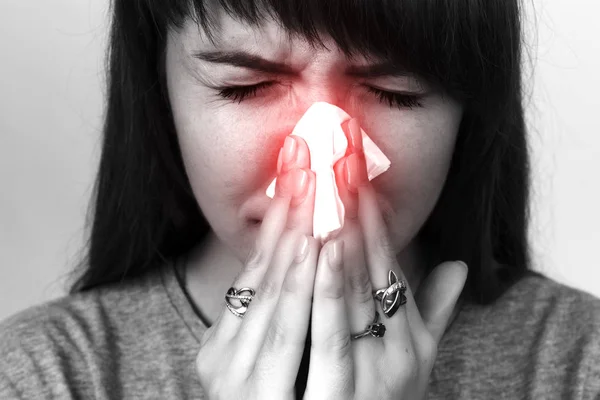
x=350 y=268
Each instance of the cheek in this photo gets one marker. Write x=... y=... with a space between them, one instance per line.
x=420 y=148
x=227 y=156
x=215 y=162
x=220 y=151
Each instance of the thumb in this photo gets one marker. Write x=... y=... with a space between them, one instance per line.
x=438 y=294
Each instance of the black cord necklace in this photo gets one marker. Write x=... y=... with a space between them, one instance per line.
x=179 y=270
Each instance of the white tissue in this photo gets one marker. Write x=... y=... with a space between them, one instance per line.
x=321 y=128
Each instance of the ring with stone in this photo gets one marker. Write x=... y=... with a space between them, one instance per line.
x=375 y=329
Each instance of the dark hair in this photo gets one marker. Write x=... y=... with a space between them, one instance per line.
x=144 y=211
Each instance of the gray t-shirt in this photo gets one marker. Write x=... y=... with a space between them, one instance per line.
x=139 y=340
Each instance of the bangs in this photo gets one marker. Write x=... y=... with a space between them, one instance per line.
x=468 y=48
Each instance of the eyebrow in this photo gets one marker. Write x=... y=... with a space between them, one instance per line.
x=254 y=62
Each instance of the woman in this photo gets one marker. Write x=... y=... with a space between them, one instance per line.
x=202 y=98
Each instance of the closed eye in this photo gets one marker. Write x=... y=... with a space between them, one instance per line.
x=240 y=93
x=392 y=99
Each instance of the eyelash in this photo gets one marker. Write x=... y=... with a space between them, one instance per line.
x=399 y=100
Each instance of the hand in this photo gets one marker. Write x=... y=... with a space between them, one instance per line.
x=258 y=356
x=398 y=365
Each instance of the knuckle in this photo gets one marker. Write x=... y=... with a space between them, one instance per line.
x=338 y=341
x=288 y=239
x=333 y=291
x=408 y=371
x=387 y=259
x=383 y=245
x=291 y=284
x=217 y=384
x=387 y=255
x=276 y=336
x=268 y=288
x=360 y=284
x=256 y=258
x=329 y=289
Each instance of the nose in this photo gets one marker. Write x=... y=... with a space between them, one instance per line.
x=319 y=91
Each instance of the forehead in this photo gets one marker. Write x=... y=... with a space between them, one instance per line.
x=267 y=38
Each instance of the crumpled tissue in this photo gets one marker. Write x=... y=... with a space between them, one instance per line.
x=320 y=127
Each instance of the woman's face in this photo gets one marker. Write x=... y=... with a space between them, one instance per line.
x=230 y=147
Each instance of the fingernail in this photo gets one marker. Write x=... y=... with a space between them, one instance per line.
x=289 y=154
x=334 y=255
x=254 y=258
x=356 y=172
x=355 y=136
x=279 y=162
x=294 y=184
x=463 y=264
x=300 y=183
x=302 y=250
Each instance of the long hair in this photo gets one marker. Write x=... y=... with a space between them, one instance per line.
x=144 y=212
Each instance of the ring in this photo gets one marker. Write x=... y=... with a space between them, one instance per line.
x=396 y=289
x=374 y=329
x=244 y=299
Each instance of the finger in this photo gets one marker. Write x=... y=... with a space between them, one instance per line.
x=381 y=258
x=350 y=200
x=300 y=217
x=282 y=351
x=360 y=303
x=357 y=289
x=253 y=328
x=331 y=345
x=438 y=294
x=257 y=262
x=353 y=134
x=295 y=155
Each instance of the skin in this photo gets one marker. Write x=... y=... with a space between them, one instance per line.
x=230 y=149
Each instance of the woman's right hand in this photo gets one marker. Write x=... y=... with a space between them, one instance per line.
x=258 y=356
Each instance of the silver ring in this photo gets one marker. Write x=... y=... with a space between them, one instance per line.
x=375 y=329
x=392 y=297
x=243 y=298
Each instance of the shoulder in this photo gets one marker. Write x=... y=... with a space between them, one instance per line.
x=57 y=320
x=38 y=345
x=536 y=299
x=545 y=332
x=537 y=307
x=541 y=300
x=87 y=315
x=52 y=350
